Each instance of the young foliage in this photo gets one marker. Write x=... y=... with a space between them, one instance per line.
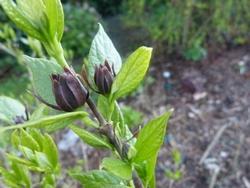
x=102 y=49
x=117 y=167
x=90 y=138
x=132 y=72
x=99 y=178
x=38 y=154
x=50 y=122
x=41 y=70
x=152 y=135
x=58 y=86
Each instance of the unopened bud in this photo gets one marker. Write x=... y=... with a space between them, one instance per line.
x=103 y=78
x=68 y=91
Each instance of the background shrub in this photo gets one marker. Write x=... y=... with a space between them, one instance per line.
x=189 y=26
x=80 y=27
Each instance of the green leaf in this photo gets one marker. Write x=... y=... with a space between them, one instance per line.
x=28 y=141
x=18 y=160
x=118 y=168
x=132 y=72
x=10 y=108
x=177 y=175
x=152 y=136
x=36 y=134
x=146 y=171
x=42 y=161
x=150 y=168
x=102 y=49
x=27 y=153
x=60 y=20
x=39 y=112
x=9 y=178
x=111 y=111
x=99 y=178
x=15 y=141
x=50 y=149
x=176 y=156
x=56 y=18
x=90 y=138
x=21 y=21
x=41 y=70
x=22 y=173
x=103 y=106
x=66 y=118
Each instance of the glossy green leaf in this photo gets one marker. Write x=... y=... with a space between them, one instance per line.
x=90 y=138
x=117 y=167
x=19 y=18
x=66 y=118
x=132 y=72
x=10 y=108
x=102 y=49
x=41 y=70
x=55 y=15
x=99 y=178
x=152 y=136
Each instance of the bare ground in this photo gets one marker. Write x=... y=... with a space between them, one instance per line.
x=212 y=132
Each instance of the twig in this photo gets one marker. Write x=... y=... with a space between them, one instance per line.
x=97 y=114
x=246 y=182
x=137 y=181
x=213 y=143
x=236 y=158
x=214 y=178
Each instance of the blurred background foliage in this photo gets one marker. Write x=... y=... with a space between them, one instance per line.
x=187 y=28
x=190 y=27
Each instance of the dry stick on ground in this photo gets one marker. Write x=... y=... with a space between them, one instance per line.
x=213 y=143
x=214 y=178
x=246 y=182
x=238 y=150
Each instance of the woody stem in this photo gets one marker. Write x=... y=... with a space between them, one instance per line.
x=97 y=114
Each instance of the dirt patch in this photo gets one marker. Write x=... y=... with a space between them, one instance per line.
x=223 y=107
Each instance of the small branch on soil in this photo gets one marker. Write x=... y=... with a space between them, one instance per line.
x=214 y=178
x=246 y=182
x=237 y=154
x=214 y=142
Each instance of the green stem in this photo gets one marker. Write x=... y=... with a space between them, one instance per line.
x=59 y=53
x=54 y=49
x=122 y=127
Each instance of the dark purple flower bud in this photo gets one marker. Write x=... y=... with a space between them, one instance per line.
x=103 y=78
x=68 y=91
